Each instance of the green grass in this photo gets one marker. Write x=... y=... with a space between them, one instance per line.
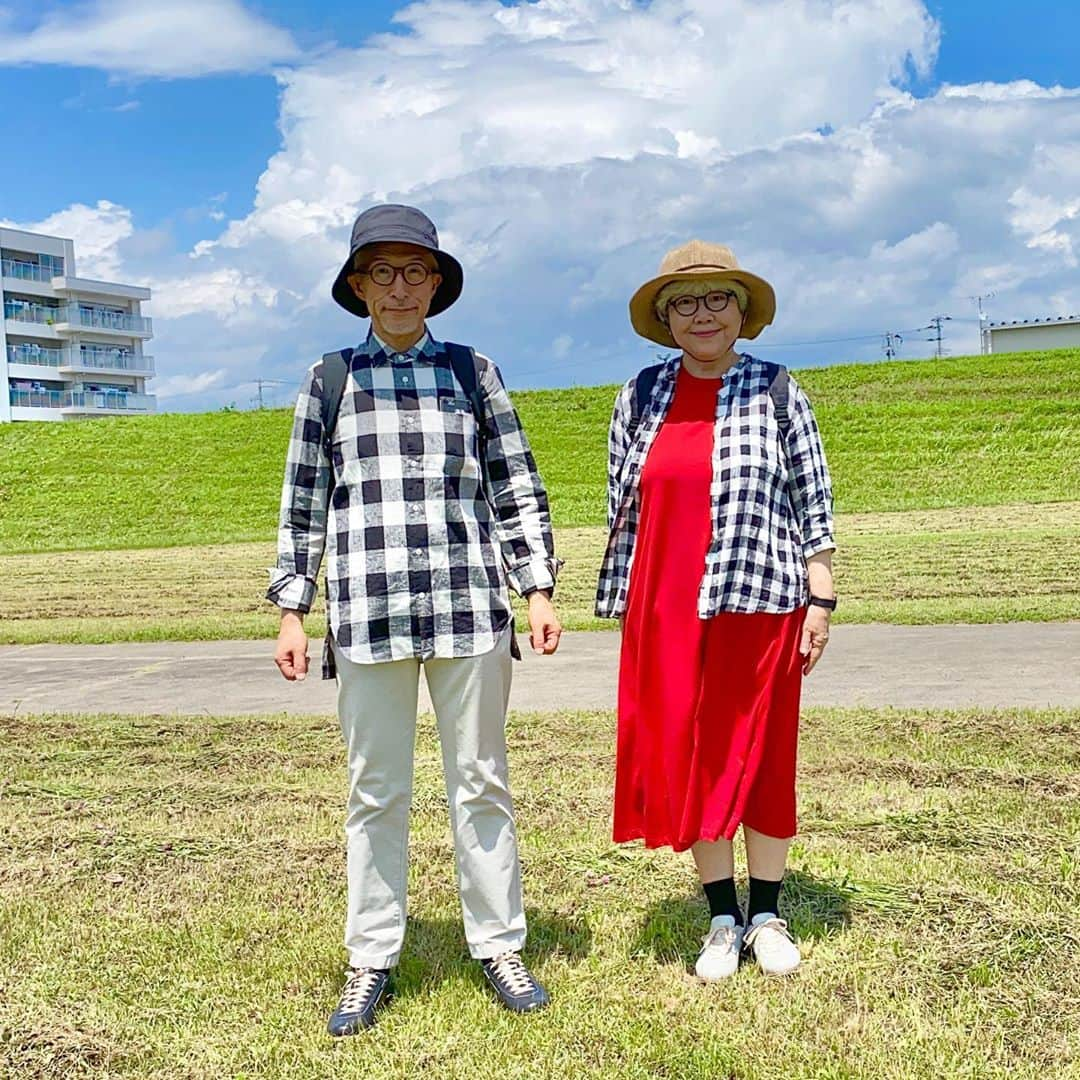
x=172 y=894
x=986 y=564
x=971 y=431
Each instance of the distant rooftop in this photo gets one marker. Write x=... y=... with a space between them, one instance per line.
x=1051 y=321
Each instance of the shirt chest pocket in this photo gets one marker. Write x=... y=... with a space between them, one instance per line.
x=458 y=428
x=754 y=442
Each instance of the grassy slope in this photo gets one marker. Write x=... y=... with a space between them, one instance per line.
x=973 y=431
x=172 y=892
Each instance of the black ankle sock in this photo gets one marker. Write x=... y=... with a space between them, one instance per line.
x=722 y=899
x=764 y=896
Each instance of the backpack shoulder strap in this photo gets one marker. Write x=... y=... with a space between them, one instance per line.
x=464 y=365
x=778 y=391
x=334 y=370
x=639 y=400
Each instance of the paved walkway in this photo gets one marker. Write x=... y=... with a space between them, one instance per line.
x=946 y=667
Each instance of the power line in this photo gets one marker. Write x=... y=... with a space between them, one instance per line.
x=935 y=324
x=260 y=383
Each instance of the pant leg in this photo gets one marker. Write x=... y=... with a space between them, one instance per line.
x=377 y=711
x=470 y=695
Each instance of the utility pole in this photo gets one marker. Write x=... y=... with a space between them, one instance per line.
x=891 y=343
x=260 y=383
x=935 y=324
x=984 y=337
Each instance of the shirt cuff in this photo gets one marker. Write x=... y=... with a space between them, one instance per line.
x=293 y=592
x=533 y=574
x=818 y=544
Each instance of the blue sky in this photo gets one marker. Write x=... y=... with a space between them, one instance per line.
x=180 y=152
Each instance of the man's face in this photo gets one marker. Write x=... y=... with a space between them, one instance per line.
x=397 y=282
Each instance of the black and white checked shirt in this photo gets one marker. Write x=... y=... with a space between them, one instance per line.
x=771 y=505
x=418 y=557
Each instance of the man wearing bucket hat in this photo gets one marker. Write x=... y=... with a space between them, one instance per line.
x=719 y=566
x=409 y=466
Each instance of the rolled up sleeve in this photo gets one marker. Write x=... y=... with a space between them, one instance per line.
x=304 y=494
x=517 y=492
x=809 y=483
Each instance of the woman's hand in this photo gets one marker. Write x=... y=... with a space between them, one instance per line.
x=815 y=636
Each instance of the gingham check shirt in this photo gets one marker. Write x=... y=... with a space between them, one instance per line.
x=418 y=557
x=771 y=505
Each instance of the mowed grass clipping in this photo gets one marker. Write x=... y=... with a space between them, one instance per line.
x=971 y=431
x=982 y=564
x=172 y=894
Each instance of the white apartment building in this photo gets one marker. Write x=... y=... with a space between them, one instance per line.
x=70 y=348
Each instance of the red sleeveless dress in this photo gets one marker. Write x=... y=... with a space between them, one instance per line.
x=708 y=708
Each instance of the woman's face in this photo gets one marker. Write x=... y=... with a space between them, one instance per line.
x=708 y=336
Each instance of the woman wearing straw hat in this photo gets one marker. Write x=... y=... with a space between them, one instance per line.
x=719 y=566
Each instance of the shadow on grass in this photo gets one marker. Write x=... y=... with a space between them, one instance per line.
x=435 y=950
x=814 y=907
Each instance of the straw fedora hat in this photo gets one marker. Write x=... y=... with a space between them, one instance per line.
x=699 y=259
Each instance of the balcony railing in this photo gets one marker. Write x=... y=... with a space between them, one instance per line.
x=37 y=399
x=28 y=271
x=98 y=319
x=92 y=400
x=36 y=355
x=110 y=360
x=83 y=400
x=32 y=313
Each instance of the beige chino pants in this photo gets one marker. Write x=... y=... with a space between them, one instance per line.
x=377 y=710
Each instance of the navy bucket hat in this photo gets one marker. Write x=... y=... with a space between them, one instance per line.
x=392 y=223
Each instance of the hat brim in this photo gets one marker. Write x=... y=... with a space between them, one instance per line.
x=453 y=279
x=760 y=308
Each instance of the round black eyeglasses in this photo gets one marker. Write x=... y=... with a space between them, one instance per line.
x=382 y=273
x=688 y=305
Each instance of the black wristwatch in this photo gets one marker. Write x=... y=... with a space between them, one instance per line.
x=820 y=601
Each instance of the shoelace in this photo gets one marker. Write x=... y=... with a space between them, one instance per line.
x=722 y=935
x=779 y=925
x=358 y=990
x=512 y=973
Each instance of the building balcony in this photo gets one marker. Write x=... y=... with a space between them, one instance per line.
x=84 y=402
x=26 y=311
x=74 y=361
x=93 y=360
x=76 y=318
x=35 y=356
x=106 y=402
x=18 y=270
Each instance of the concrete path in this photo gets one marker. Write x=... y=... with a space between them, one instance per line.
x=946 y=667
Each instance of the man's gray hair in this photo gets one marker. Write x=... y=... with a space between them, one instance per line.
x=699 y=287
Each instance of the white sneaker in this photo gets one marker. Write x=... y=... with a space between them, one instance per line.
x=773 y=947
x=719 y=956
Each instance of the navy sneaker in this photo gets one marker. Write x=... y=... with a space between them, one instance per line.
x=366 y=990
x=514 y=986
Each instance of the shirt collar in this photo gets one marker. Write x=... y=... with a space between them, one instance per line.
x=378 y=350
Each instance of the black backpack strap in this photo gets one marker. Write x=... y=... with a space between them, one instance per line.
x=463 y=364
x=334 y=371
x=639 y=400
x=778 y=390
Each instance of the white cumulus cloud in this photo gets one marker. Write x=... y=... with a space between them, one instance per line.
x=165 y=39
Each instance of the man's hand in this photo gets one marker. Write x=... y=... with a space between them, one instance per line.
x=544 y=626
x=291 y=655
x=815 y=635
